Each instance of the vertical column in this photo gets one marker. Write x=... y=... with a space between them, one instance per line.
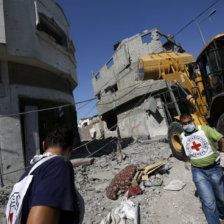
x=10 y=131
x=2 y=24
x=31 y=129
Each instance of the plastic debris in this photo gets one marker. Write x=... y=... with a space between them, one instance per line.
x=127 y=210
x=131 y=210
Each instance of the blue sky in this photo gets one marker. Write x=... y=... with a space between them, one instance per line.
x=96 y=25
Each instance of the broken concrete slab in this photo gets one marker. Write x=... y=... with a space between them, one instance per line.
x=153 y=182
x=82 y=162
x=175 y=185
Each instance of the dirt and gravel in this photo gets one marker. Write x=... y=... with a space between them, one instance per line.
x=156 y=204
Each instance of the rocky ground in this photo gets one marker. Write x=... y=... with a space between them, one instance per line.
x=156 y=204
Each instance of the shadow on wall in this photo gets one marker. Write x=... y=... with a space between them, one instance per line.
x=157 y=116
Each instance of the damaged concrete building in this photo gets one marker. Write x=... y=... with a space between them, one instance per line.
x=126 y=101
x=94 y=128
x=37 y=71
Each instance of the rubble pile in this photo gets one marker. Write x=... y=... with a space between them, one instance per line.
x=4 y=194
x=155 y=204
x=95 y=180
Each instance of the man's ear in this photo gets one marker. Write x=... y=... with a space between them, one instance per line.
x=44 y=146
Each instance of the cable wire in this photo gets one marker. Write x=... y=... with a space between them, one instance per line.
x=48 y=108
x=196 y=17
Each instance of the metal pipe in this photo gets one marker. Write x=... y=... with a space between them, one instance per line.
x=173 y=99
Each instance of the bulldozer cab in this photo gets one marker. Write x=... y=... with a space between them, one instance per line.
x=211 y=65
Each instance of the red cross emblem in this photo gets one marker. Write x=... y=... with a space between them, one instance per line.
x=11 y=217
x=196 y=146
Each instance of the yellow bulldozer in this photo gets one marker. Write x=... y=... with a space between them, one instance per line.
x=202 y=82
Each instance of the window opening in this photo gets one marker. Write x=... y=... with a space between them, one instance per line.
x=97 y=75
x=110 y=63
x=112 y=89
x=49 y=26
x=146 y=38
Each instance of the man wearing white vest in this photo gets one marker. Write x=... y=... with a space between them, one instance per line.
x=206 y=165
x=50 y=196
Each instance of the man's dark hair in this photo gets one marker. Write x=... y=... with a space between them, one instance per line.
x=185 y=115
x=61 y=137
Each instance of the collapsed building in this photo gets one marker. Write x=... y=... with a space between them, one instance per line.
x=94 y=128
x=37 y=71
x=126 y=102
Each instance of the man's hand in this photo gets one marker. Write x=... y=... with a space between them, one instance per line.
x=221 y=158
x=187 y=165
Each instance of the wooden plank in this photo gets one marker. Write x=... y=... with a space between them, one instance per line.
x=152 y=166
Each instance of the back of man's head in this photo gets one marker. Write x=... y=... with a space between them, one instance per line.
x=60 y=137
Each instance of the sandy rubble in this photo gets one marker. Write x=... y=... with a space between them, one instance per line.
x=156 y=204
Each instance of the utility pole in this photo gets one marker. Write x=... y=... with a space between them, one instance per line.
x=199 y=29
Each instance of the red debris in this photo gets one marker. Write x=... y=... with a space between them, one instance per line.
x=121 y=182
x=132 y=191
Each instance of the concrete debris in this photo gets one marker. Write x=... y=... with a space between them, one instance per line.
x=4 y=194
x=105 y=175
x=175 y=185
x=81 y=162
x=153 y=182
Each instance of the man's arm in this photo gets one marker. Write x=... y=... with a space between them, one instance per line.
x=184 y=154
x=222 y=144
x=43 y=215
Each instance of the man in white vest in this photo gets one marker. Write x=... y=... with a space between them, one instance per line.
x=51 y=196
x=206 y=165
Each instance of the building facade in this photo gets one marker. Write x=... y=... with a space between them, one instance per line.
x=37 y=71
x=125 y=100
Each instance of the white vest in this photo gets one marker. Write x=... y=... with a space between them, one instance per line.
x=196 y=145
x=14 y=205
